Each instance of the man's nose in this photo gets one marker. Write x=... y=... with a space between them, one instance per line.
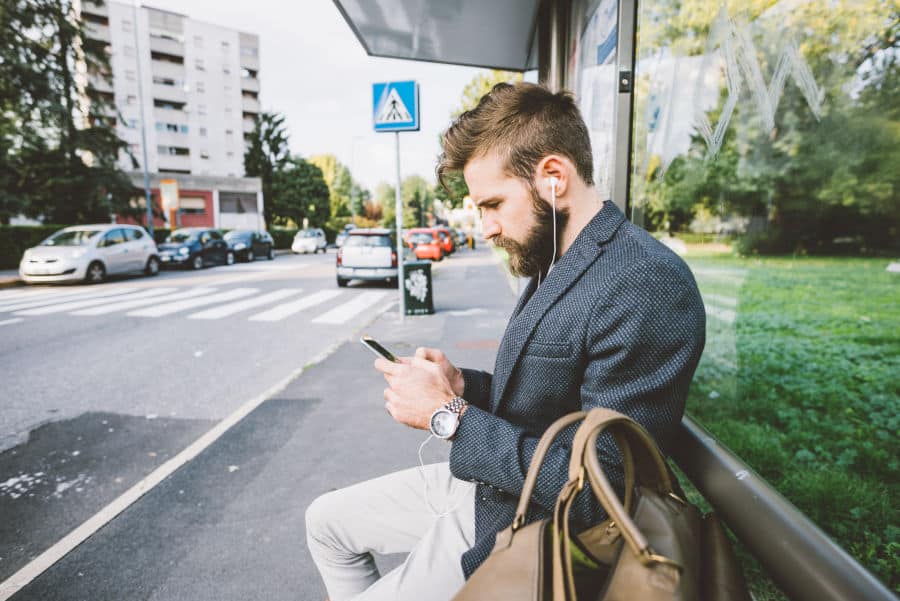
x=490 y=227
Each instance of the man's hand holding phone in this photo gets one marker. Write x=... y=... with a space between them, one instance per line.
x=418 y=385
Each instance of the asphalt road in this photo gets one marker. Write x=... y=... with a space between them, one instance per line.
x=102 y=384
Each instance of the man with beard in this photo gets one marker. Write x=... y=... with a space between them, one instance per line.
x=611 y=318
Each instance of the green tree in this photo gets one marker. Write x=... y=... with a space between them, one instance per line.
x=58 y=149
x=299 y=191
x=266 y=155
x=456 y=189
x=339 y=181
x=418 y=199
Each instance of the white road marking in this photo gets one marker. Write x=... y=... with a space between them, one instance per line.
x=121 y=306
x=47 y=296
x=23 y=293
x=60 y=299
x=169 y=308
x=7 y=322
x=232 y=308
x=348 y=310
x=90 y=302
x=45 y=560
x=284 y=310
x=726 y=315
x=728 y=301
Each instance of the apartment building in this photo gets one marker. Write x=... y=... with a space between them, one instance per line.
x=199 y=85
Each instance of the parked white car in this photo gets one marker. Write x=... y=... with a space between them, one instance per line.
x=311 y=240
x=369 y=254
x=90 y=253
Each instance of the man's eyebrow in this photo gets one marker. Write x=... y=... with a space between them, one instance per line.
x=489 y=200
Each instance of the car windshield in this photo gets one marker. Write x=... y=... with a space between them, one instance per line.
x=307 y=233
x=238 y=235
x=181 y=236
x=368 y=240
x=422 y=238
x=71 y=238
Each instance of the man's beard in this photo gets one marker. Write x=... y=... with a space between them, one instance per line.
x=534 y=255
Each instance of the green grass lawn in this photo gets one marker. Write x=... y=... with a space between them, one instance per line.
x=800 y=378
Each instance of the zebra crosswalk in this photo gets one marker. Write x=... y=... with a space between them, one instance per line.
x=205 y=303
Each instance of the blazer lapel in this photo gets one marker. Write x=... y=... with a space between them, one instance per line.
x=533 y=307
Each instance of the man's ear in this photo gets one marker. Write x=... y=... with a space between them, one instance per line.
x=552 y=172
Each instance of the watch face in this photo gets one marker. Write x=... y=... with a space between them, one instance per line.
x=443 y=423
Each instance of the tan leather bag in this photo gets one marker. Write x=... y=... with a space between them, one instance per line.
x=654 y=546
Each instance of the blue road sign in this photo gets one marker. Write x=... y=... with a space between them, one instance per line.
x=395 y=106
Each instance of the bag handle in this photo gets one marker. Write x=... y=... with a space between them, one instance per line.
x=635 y=435
x=540 y=452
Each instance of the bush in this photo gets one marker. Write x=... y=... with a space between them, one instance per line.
x=15 y=239
x=283 y=236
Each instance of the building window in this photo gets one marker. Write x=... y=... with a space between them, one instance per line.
x=225 y=46
x=201 y=109
x=201 y=87
x=166 y=81
x=128 y=51
x=126 y=25
x=229 y=154
x=173 y=151
x=248 y=73
x=249 y=51
x=129 y=75
x=204 y=154
x=183 y=129
x=198 y=64
x=229 y=132
x=202 y=132
x=192 y=205
x=226 y=69
x=237 y=202
x=131 y=99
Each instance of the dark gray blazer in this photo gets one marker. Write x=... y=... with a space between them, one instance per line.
x=618 y=323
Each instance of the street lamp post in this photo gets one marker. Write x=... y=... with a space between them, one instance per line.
x=137 y=51
x=352 y=187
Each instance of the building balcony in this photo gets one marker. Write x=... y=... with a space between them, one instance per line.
x=251 y=84
x=95 y=9
x=249 y=126
x=167 y=69
x=250 y=62
x=100 y=84
x=166 y=46
x=171 y=138
x=173 y=93
x=170 y=116
x=174 y=161
x=95 y=31
x=250 y=105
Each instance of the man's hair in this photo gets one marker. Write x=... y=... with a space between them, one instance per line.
x=525 y=122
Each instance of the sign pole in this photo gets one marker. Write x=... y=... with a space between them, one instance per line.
x=399 y=205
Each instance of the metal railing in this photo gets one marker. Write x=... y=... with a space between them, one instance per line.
x=801 y=559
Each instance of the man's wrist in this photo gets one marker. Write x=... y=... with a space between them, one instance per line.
x=459 y=383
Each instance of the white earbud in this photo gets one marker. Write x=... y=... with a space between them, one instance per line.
x=553 y=182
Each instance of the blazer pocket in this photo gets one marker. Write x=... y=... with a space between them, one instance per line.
x=556 y=350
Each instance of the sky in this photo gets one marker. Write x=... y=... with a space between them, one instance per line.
x=315 y=72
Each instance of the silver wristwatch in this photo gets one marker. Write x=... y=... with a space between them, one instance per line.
x=445 y=421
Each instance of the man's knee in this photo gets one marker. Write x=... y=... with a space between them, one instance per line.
x=321 y=515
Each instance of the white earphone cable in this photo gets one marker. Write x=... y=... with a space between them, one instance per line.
x=431 y=508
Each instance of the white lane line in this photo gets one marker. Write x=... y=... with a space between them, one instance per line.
x=7 y=322
x=23 y=293
x=721 y=299
x=284 y=310
x=348 y=310
x=56 y=300
x=45 y=560
x=169 y=308
x=726 y=315
x=121 y=306
x=91 y=302
x=53 y=297
x=232 y=308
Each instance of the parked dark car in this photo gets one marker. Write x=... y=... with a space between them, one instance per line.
x=195 y=248
x=248 y=245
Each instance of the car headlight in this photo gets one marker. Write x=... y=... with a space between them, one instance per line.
x=78 y=252
x=240 y=246
x=184 y=250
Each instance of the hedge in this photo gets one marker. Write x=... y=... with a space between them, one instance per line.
x=283 y=236
x=15 y=239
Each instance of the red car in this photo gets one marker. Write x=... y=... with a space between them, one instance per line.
x=425 y=243
x=447 y=239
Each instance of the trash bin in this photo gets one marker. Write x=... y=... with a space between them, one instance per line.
x=417 y=288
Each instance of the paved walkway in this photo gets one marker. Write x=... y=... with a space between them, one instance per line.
x=230 y=524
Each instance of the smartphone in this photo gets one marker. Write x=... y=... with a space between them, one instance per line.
x=377 y=348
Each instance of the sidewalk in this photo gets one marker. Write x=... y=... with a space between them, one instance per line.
x=230 y=524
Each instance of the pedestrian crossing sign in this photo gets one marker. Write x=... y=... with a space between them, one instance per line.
x=396 y=106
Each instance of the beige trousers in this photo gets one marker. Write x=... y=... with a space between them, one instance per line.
x=393 y=514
